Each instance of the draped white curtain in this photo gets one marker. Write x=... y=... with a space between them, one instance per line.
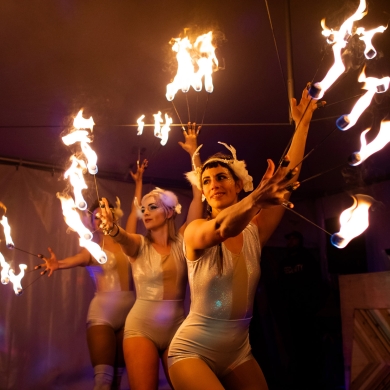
x=42 y=331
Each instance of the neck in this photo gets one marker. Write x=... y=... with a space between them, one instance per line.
x=160 y=235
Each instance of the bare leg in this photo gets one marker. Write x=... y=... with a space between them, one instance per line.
x=119 y=360
x=142 y=363
x=247 y=376
x=102 y=350
x=101 y=344
x=164 y=359
x=193 y=374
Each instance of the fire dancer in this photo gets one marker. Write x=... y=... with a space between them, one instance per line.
x=160 y=277
x=114 y=297
x=211 y=348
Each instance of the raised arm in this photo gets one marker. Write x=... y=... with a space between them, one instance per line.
x=190 y=144
x=130 y=243
x=52 y=264
x=131 y=224
x=231 y=221
x=267 y=220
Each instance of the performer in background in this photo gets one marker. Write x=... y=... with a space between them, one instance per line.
x=211 y=348
x=160 y=277
x=114 y=297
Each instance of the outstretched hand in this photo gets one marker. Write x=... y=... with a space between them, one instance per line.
x=137 y=176
x=302 y=112
x=106 y=217
x=190 y=143
x=50 y=264
x=274 y=186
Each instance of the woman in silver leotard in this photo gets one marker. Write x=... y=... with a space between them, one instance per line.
x=211 y=348
x=114 y=297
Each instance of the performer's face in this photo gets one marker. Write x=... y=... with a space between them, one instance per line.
x=96 y=218
x=153 y=214
x=219 y=187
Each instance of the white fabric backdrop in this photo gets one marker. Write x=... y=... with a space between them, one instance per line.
x=42 y=332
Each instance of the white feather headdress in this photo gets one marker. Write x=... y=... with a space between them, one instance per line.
x=238 y=167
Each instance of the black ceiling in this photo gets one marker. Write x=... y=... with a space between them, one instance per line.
x=112 y=58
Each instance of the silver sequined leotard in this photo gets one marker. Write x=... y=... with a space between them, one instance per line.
x=160 y=282
x=216 y=329
x=114 y=296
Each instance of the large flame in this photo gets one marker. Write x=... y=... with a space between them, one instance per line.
x=353 y=221
x=81 y=123
x=76 y=178
x=76 y=136
x=94 y=249
x=16 y=279
x=72 y=217
x=4 y=270
x=373 y=86
x=369 y=51
x=366 y=150
x=339 y=39
x=194 y=62
x=7 y=232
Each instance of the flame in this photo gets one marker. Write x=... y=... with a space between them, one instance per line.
x=72 y=217
x=141 y=124
x=81 y=123
x=4 y=270
x=76 y=178
x=200 y=56
x=353 y=221
x=76 y=136
x=374 y=146
x=373 y=86
x=369 y=51
x=339 y=39
x=91 y=157
x=16 y=279
x=94 y=249
x=165 y=130
x=157 y=124
x=7 y=232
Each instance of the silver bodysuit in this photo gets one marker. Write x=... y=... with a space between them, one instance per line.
x=114 y=296
x=216 y=329
x=160 y=282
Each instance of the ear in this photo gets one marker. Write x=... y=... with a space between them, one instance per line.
x=239 y=186
x=169 y=214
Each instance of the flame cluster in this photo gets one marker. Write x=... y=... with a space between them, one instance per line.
x=85 y=160
x=7 y=273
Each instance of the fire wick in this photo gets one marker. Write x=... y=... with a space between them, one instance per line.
x=307 y=220
x=205 y=107
x=321 y=173
x=181 y=123
x=21 y=250
x=188 y=108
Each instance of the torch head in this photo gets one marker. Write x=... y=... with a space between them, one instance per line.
x=338 y=241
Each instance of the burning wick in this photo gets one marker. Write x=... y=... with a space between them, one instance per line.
x=381 y=140
x=16 y=279
x=353 y=221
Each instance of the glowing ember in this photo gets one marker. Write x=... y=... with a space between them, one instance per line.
x=353 y=221
x=16 y=279
x=76 y=178
x=339 y=39
x=94 y=249
x=4 y=270
x=7 y=232
x=194 y=62
x=141 y=124
x=72 y=217
x=373 y=86
x=82 y=123
x=374 y=146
